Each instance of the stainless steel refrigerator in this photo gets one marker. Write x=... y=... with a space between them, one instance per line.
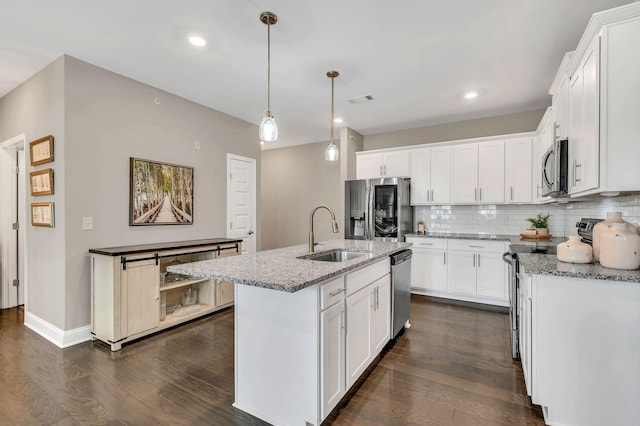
x=377 y=209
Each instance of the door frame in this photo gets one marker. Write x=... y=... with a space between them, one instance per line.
x=255 y=194
x=15 y=144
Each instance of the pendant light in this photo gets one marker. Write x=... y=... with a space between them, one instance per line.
x=331 y=153
x=268 y=128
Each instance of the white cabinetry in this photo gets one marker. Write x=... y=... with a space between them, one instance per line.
x=129 y=299
x=471 y=270
x=580 y=345
x=476 y=268
x=517 y=172
x=431 y=176
x=560 y=105
x=584 y=103
x=368 y=320
x=429 y=264
x=540 y=146
x=387 y=164
x=524 y=328
x=478 y=173
x=332 y=330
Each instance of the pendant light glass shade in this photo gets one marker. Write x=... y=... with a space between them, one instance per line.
x=268 y=128
x=332 y=153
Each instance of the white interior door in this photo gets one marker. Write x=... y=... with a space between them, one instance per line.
x=12 y=211
x=241 y=201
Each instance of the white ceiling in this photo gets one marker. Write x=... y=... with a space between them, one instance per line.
x=415 y=57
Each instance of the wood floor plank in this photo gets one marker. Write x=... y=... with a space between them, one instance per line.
x=452 y=367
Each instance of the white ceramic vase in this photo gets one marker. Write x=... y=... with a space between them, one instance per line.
x=620 y=248
x=574 y=251
x=604 y=226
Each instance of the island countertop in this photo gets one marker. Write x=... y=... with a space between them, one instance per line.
x=280 y=269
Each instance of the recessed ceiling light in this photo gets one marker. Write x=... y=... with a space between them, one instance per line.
x=197 y=40
x=471 y=95
x=338 y=120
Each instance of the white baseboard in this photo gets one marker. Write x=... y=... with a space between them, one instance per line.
x=60 y=338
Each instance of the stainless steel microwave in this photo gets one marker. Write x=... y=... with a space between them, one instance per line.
x=555 y=170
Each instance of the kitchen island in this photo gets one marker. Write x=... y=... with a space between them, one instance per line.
x=305 y=330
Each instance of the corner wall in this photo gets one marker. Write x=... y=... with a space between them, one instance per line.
x=295 y=180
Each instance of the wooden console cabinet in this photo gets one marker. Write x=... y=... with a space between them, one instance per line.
x=132 y=295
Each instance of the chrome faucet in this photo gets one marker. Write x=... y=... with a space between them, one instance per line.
x=334 y=226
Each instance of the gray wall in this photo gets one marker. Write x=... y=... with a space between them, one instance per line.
x=492 y=126
x=295 y=180
x=108 y=118
x=36 y=108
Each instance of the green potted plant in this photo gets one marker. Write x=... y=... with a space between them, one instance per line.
x=421 y=225
x=540 y=223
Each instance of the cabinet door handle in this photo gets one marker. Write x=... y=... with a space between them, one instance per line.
x=337 y=292
x=511 y=193
x=428 y=195
x=478 y=260
x=575 y=171
x=476 y=246
x=381 y=174
x=475 y=194
x=343 y=320
x=474 y=260
x=426 y=244
x=444 y=258
x=377 y=298
x=432 y=200
x=480 y=191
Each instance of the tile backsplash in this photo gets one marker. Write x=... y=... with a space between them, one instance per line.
x=512 y=219
x=488 y=219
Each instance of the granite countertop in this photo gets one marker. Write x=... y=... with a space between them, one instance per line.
x=513 y=239
x=548 y=264
x=280 y=269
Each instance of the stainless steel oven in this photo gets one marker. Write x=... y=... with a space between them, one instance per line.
x=511 y=257
x=555 y=169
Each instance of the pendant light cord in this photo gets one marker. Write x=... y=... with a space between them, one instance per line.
x=331 y=136
x=269 y=66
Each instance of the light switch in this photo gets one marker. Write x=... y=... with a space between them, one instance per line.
x=87 y=223
x=198 y=145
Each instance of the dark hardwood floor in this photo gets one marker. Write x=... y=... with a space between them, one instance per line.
x=453 y=366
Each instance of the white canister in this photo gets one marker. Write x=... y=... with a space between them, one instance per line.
x=604 y=226
x=620 y=248
x=574 y=251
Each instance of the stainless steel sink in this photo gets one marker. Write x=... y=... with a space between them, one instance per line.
x=335 y=255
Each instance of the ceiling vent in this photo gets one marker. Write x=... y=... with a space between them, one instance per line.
x=360 y=99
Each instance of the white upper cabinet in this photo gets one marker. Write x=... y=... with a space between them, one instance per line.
x=517 y=170
x=431 y=176
x=478 y=173
x=560 y=103
x=388 y=164
x=584 y=138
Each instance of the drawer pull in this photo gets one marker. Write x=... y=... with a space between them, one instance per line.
x=426 y=244
x=476 y=246
x=337 y=292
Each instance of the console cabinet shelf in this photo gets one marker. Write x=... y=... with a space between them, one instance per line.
x=133 y=295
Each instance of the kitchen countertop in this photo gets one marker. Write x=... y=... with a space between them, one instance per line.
x=512 y=239
x=280 y=269
x=548 y=264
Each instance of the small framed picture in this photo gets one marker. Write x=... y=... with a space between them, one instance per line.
x=42 y=214
x=41 y=150
x=41 y=182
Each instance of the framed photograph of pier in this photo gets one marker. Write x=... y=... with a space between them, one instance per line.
x=41 y=151
x=41 y=182
x=42 y=214
x=160 y=193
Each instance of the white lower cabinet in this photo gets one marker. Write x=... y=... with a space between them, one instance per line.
x=333 y=372
x=471 y=270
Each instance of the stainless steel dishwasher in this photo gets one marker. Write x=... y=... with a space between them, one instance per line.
x=400 y=291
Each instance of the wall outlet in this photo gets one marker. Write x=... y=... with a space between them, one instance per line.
x=87 y=223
